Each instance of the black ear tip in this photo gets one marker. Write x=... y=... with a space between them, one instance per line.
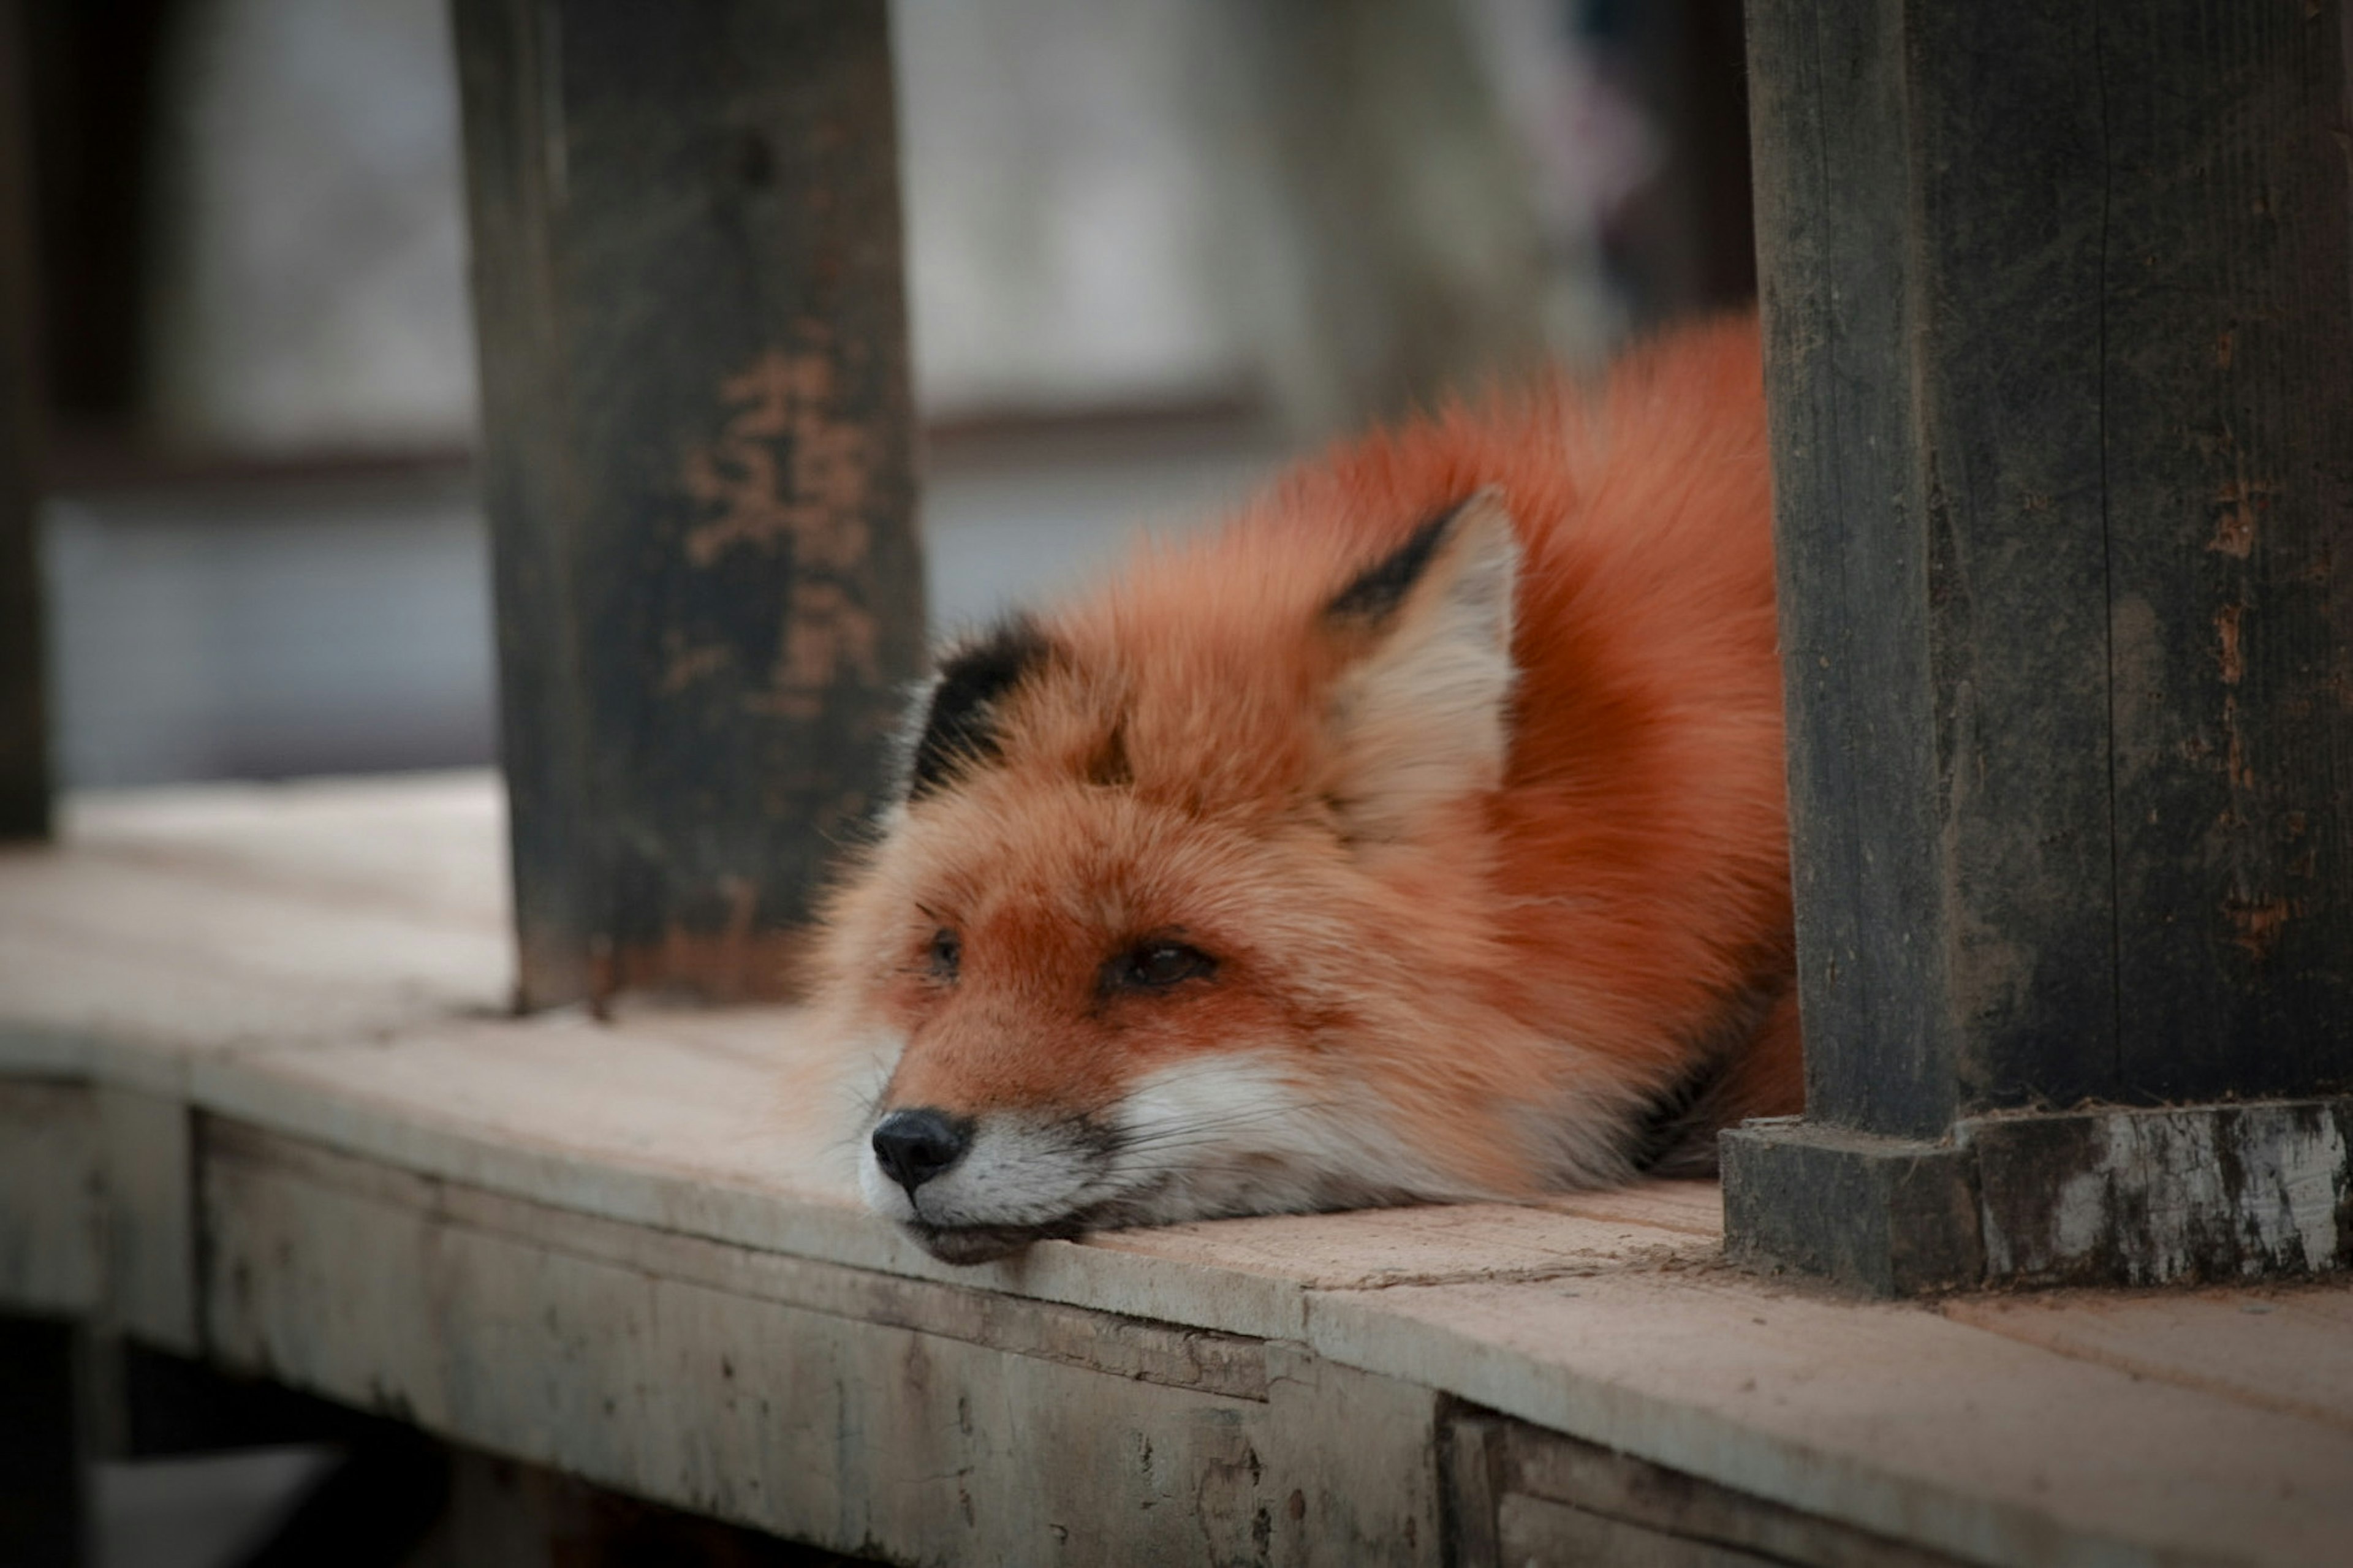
x=1374 y=593
x=962 y=724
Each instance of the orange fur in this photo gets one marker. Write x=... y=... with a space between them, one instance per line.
x=1499 y=979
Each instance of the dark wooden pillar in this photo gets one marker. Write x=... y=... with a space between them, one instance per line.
x=2059 y=319
x=687 y=285
x=23 y=702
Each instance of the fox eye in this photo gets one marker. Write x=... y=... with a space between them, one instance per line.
x=1158 y=966
x=947 y=954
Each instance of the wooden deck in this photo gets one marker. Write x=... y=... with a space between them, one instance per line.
x=259 y=1102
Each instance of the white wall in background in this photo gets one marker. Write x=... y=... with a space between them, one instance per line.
x=311 y=289
x=1066 y=221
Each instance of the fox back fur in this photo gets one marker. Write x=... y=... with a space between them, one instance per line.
x=1418 y=837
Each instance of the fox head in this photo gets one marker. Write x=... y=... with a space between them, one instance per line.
x=1185 y=908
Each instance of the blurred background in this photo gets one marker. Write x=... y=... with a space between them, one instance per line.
x=1156 y=248
x=1156 y=245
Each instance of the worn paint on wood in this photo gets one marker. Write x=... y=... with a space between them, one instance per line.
x=1890 y=1217
x=861 y=1435
x=2057 y=309
x=687 y=282
x=2227 y=283
x=2057 y=306
x=2142 y=1198
x=2084 y=1198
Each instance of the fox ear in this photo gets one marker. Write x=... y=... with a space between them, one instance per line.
x=1423 y=718
x=959 y=726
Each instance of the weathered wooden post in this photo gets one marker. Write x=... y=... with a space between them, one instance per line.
x=2059 y=316
x=23 y=704
x=688 y=290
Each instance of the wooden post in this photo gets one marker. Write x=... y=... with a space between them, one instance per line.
x=23 y=702
x=695 y=406
x=2059 y=318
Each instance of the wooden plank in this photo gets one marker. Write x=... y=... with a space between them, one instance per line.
x=2148 y=1198
x=655 y=1121
x=687 y=287
x=52 y=1219
x=1831 y=201
x=430 y=847
x=306 y=938
x=2284 y=1348
x=1126 y=1347
x=147 y=1170
x=97 y=949
x=860 y=1435
x=1557 y=1492
x=25 y=782
x=1886 y=1418
x=2056 y=309
x=2227 y=425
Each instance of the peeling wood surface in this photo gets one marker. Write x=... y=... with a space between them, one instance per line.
x=2140 y=1197
x=697 y=466
x=2057 y=309
x=497 y=1225
x=852 y=1430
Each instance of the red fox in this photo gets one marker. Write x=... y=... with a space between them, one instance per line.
x=1419 y=837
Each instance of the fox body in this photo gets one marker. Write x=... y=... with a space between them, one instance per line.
x=1418 y=837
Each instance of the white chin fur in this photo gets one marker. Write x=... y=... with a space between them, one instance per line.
x=1229 y=1134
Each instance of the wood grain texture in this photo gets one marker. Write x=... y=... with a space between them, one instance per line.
x=1881 y=1417
x=2056 y=307
x=2279 y=1346
x=2227 y=282
x=687 y=286
x=862 y=1435
x=2154 y=1197
x=498 y=1225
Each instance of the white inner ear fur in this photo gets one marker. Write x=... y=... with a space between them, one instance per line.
x=1424 y=719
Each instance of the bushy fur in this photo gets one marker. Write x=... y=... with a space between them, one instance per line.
x=1484 y=849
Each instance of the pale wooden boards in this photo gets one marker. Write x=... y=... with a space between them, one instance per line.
x=1889 y=1417
x=926 y=1421
x=668 y=1184
x=191 y=922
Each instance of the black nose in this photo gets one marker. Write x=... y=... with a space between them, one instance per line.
x=913 y=1146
